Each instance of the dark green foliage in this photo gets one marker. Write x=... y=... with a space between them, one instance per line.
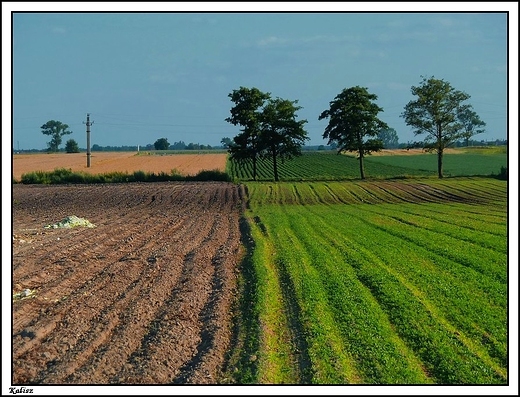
x=352 y=119
x=270 y=129
x=56 y=129
x=470 y=122
x=503 y=174
x=439 y=113
x=161 y=144
x=62 y=176
x=246 y=113
x=71 y=146
x=281 y=136
x=210 y=175
x=389 y=138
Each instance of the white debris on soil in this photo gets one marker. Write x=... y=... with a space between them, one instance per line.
x=69 y=222
x=26 y=293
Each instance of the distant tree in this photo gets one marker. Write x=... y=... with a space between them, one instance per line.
x=352 y=118
x=470 y=123
x=56 y=129
x=435 y=113
x=282 y=136
x=161 y=144
x=389 y=138
x=71 y=146
x=247 y=113
x=178 y=146
x=226 y=142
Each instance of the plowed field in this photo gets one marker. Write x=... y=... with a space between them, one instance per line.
x=142 y=298
x=103 y=162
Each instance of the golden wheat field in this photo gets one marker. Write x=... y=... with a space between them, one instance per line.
x=102 y=162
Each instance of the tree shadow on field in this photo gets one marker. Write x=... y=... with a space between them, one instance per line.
x=241 y=366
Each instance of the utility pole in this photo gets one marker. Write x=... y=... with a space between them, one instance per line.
x=88 y=138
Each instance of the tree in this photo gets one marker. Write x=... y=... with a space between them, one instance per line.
x=161 y=144
x=226 y=142
x=435 y=113
x=178 y=145
x=56 y=129
x=246 y=113
x=470 y=122
x=282 y=136
x=352 y=118
x=71 y=146
x=389 y=138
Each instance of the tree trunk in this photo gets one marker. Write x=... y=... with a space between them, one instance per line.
x=275 y=166
x=439 y=162
x=361 y=169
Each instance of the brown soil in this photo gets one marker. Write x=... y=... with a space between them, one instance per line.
x=145 y=297
x=102 y=162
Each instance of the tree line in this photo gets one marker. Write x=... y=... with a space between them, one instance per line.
x=270 y=127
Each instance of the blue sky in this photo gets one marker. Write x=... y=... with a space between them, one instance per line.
x=145 y=76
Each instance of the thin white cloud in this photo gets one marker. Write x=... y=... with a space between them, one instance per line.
x=271 y=40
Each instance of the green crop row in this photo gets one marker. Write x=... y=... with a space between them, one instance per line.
x=408 y=289
x=453 y=164
x=448 y=191
x=328 y=166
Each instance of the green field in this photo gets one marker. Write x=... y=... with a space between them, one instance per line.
x=327 y=165
x=463 y=164
x=381 y=282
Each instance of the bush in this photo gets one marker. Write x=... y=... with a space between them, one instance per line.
x=503 y=173
x=140 y=176
x=212 y=175
x=63 y=175
x=71 y=146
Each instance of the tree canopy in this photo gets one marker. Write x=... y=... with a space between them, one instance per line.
x=161 y=144
x=436 y=112
x=353 y=121
x=56 y=129
x=71 y=146
x=470 y=123
x=282 y=136
x=270 y=129
x=246 y=113
x=389 y=138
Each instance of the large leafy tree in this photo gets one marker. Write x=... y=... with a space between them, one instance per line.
x=247 y=113
x=353 y=122
x=282 y=136
x=435 y=113
x=56 y=129
x=470 y=121
x=161 y=144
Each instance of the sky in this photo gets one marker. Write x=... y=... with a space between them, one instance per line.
x=143 y=76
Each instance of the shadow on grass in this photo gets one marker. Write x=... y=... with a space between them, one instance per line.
x=241 y=366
